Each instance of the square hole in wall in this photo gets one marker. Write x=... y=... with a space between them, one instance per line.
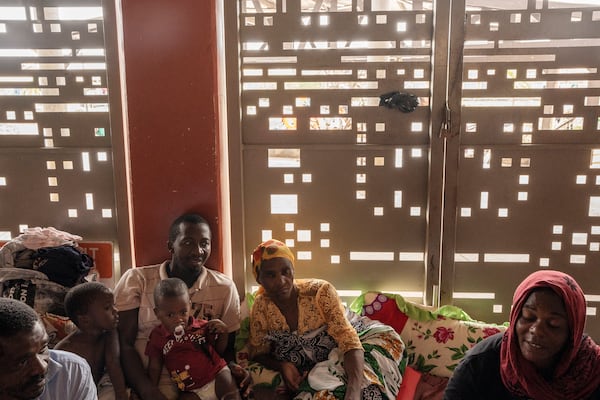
x=416 y=126
x=266 y=234
x=522 y=196
x=303 y=235
x=535 y=18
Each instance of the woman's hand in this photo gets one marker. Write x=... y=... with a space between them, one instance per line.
x=354 y=365
x=292 y=376
x=353 y=393
x=188 y=396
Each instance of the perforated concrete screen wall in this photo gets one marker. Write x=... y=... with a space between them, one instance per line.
x=56 y=163
x=370 y=197
x=528 y=152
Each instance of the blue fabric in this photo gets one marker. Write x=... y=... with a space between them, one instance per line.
x=68 y=377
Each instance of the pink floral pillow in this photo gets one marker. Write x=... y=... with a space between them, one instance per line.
x=436 y=340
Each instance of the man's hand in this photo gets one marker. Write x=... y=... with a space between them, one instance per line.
x=242 y=378
x=216 y=327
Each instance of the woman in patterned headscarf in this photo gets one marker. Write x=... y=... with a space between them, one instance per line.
x=301 y=329
x=543 y=355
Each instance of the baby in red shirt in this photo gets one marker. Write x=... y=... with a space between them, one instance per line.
x=190 y=349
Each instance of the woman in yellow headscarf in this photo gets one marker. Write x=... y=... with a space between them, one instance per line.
x=301 y=329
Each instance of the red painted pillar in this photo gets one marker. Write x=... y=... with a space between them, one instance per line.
x=172 y=107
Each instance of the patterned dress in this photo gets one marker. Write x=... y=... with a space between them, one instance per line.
x=326 y=330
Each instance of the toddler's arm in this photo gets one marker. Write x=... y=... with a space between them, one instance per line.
x=155 y=366
x=113 y=364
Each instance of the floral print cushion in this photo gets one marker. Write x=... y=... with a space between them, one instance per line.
x=436 y=340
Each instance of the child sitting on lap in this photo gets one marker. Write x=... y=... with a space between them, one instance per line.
x=189 y=348
x=91 y=307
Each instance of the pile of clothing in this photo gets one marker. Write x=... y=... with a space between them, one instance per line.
x=39 y=266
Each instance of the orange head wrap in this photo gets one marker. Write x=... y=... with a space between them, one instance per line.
x=271 y=248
